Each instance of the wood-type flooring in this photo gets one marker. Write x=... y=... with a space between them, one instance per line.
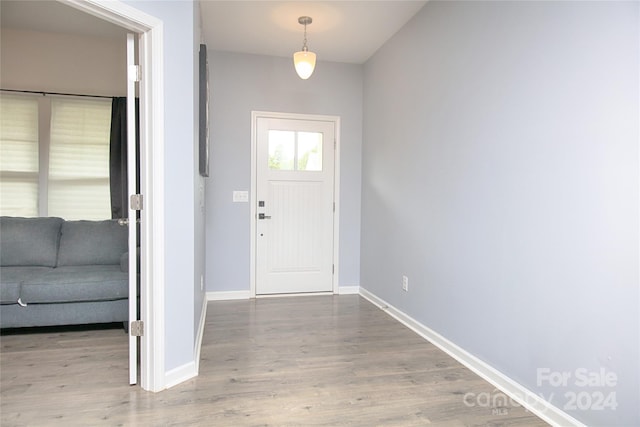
x=289 y=361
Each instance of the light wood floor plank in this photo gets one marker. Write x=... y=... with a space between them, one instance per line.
x=292 y=361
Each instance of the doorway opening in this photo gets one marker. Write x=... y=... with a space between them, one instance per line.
x=150 y=43
x=149 y=32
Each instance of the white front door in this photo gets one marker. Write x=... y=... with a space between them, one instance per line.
x=295 y=205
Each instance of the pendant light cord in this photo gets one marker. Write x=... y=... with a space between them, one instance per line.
x=304 y=43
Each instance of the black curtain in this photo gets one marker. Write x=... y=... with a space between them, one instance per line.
x=118 y=156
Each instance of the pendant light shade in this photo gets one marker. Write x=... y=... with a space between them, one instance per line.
x=304 y=61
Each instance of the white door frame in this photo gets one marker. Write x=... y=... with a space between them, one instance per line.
x=150 y=30
x=254 y=201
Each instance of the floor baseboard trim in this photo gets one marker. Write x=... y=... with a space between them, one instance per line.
x=180 y=374
x=525 y=397
x=227 y=295
x=349 y=290
x=196 y=350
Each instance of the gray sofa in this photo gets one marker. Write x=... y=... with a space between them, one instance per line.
x=57 y=272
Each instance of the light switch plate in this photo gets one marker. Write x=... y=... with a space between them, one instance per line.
x=241 y=196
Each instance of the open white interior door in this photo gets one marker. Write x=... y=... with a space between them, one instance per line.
x=134 y=206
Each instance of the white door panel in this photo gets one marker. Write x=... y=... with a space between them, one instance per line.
x=295 y=177
x=132 y=214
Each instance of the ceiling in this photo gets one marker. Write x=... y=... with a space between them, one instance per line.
x=54 y=17
x=342 y=31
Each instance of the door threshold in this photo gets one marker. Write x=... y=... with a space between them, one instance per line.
x=298 y=294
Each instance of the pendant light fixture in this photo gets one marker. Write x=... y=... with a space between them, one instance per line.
x=304 y=60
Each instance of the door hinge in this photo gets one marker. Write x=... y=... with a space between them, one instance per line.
x=333 y=269
x=136 y=202
x=135 y=74
x=335 y=144
x=137 y=328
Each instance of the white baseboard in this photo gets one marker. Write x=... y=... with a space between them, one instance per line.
x=191 y=369
x=180 y=374
x=227 y=295
x=349 y=290
x=525 y=397
x=196 y=350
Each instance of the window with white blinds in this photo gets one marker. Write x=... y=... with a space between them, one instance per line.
x=18 y=155
x=79 y=159
x=74 y=183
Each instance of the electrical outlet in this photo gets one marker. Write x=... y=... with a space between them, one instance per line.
x=405 y=283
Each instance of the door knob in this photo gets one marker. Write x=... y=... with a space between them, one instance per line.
x=263 y=216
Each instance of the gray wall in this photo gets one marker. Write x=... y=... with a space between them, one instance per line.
x=179 y=138
x=239 y=84
x=500 y=174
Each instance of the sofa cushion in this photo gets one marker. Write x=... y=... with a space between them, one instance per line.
x=11 y=278
x=9 y=292
x=92 y=243
x=77 y=283
x=29 y=241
